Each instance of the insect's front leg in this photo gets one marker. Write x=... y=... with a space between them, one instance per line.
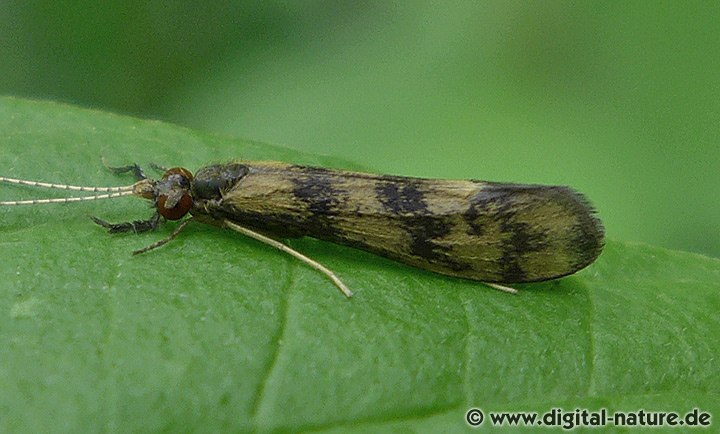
x=159 y=168
x=137 y=171
x=137 y=226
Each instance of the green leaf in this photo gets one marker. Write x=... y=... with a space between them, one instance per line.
x=215 y=332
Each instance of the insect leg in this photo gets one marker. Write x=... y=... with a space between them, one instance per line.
x=136 y=226
x=280 y=246
x=159 y=168
x=164 y=241
x=136 y=170
x=501 y=287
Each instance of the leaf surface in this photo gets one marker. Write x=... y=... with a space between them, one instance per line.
x=216 y=332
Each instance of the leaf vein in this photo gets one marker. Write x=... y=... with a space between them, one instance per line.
x=276 y=340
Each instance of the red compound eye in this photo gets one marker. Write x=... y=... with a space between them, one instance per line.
x=173 y=198
x=177 y=212
x=183 y=172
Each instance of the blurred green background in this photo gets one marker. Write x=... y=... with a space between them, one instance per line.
x=618 y=99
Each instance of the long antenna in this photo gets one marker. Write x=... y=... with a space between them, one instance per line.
x=111 y=192
x=62 y=186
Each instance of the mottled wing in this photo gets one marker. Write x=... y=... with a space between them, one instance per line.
x=485 y=231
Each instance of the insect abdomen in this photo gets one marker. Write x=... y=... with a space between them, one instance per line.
x=491 y=232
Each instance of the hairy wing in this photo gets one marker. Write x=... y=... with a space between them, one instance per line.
x=485 y=231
